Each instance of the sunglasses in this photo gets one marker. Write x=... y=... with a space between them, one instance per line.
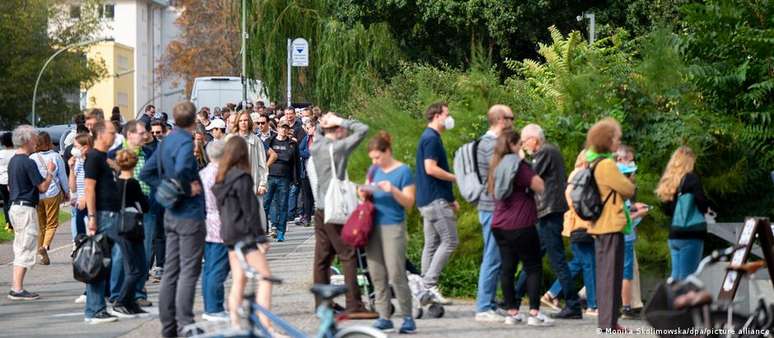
x=157 y=132
x=261 y=123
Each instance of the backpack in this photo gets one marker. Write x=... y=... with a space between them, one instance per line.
x=466 y=171
x=586 y=200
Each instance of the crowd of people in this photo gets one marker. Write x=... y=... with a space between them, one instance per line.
x=245 y=172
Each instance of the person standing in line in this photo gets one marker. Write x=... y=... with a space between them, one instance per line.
x=435 y=199
x=282 y=174
x=549 y=165
x=6 y=140
x=264 y=129
x=216 y=267
x=184 y=222
x=217 y=128
x=500 y=118
x=260 y=157
x=155 y=239
x=148 y=116
x=333 y=135
x=603 y=139
x=306 y=185
x=686 y=247
x=158 y=130
x=25 y=184
x=512 y=183
x=103 y=204
x=133 y=261
x=297 y=133
x=392 y=188
x=58 y=191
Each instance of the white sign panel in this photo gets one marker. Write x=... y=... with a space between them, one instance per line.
x=300 y=52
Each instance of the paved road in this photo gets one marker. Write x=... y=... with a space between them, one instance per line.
x=56 y=314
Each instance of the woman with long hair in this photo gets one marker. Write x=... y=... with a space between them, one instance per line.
x=686 y=247
x=259 y=169
x=58 y=191
x=513 y=184
x=603 y=140
x=241 y=219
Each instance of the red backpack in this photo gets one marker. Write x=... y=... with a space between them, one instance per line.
x=358 y=228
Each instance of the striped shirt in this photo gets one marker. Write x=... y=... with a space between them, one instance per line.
x=80 y=178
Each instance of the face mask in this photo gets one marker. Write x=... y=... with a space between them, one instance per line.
x=305 y=120
x=76 y=152
x=448 y=123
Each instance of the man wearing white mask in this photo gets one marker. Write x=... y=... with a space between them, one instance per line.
x=435 y=199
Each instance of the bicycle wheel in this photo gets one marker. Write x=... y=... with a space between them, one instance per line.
x=360 y=332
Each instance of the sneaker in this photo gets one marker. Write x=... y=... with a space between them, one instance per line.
x=515 y=319
x=539 y=320
x=438 y=296
x=281 y=237
x=384 y=325
x=43 y=256
x=81 y=299
x=99 y=318
x=408 y=326
x=549 y=301
x=22 y=295
x=144 y=303
x=489 y=316
x=566 y=313
x=120 y=311
x=591 y=312
x=137 y=311
x=216 y=316
x=628 y=313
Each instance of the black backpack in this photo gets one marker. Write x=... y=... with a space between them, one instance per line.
x=585 y=196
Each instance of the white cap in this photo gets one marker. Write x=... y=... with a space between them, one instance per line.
x=216 y=123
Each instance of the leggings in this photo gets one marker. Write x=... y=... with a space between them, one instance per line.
x=520 y=245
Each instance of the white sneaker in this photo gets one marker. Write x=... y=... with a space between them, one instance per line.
x=438 y=296
x=513 y=320
x=539 y=320
x=81 y=299
x=216 y=317
x=489 y=316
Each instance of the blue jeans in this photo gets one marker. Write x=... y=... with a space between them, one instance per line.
x=293 y=201
x=489 y=272
x=628 y=268
x=78 y=222
x=154 y=229
x=117 y=271
x=95 y=291
x=214 y=274
x=277 y=194
x=550 y=232
x=686 y=255
x=582 y=261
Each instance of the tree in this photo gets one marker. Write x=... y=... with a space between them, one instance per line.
x=209 y=44
x=31 y=32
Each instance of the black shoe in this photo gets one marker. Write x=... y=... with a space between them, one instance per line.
x=567 y=313
x=121 y=311
x=191 y=332
x=101 y=317
x=22 y=295
x=629 y=314
x=136 y=310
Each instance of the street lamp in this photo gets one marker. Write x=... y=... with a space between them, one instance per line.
x=77 y=44
x=592 y=24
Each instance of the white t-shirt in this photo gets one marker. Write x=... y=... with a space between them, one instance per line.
x=5 y=157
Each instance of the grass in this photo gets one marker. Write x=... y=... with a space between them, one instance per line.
x=7 y=235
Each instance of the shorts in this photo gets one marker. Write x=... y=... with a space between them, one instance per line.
x=25 y=241
x=628 y=271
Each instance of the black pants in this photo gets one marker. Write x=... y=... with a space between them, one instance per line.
x=307 y=199
x=5 y=195
x=609 y=259
x=516 y=245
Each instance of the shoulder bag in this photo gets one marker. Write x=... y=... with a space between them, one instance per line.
x=358 y=228
x=130 y=225
x=341 y=196
x=169 y=191
x=687 y=217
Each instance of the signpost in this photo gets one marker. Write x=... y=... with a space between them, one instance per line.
x=298 y=56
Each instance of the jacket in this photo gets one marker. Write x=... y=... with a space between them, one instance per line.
x=258 y=167
x=485 y=152
x=240 y=214
x=571 y=220
x=504 y=174
x=609 y=179
x=690 y=184
x=549 y=165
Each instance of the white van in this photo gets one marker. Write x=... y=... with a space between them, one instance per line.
x=216 y=91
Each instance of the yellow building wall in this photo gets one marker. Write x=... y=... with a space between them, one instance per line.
x=117 y=88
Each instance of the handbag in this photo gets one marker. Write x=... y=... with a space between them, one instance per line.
x=358 y=228
x=687 y=217
x=91 y=257
x=340 y=198
x=130 y=225
x=170 y=191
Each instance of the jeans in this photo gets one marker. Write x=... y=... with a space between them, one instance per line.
x=78 y=222
x=686 y=255
x=628 y=268
x=120 y=261
x=95 y=291
x=520 y=245
x=440 y=229
x=293 y=201
x=550 y=232
x=582 y=261
x=489 y=272
x=307 y=199
x=214 y=274
x=153 y=222
x=182 y=268
x=277 y=192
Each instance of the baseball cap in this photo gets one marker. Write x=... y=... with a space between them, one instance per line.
x=216 y=123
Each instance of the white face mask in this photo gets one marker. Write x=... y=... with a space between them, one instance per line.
x=76 y=152
x=305 y=120
x=448 y=123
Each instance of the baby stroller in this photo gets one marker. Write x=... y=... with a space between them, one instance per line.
x=423 y=303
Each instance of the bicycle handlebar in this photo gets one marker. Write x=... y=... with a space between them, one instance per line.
x=244 y=246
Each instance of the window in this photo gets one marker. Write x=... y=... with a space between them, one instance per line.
x=107 y=11
x=75 y=11
x=123 y=99
x=123 y=63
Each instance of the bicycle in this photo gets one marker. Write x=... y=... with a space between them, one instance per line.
x=686 y=308
x=250 y=310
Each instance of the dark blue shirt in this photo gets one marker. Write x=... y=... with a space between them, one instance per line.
x=430 y=188
x=175 y=154
x=23 y=179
